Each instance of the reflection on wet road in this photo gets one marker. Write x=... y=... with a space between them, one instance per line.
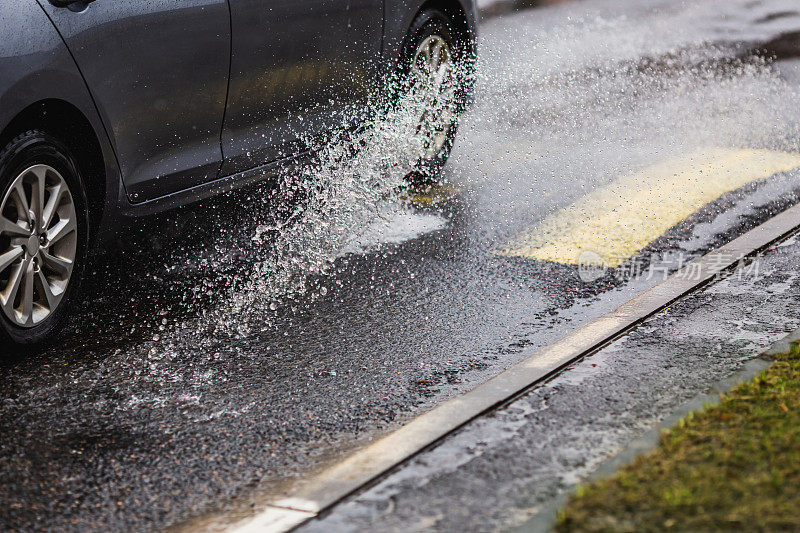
x=259 y=338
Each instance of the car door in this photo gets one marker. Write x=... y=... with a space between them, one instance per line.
x=158 y=71
x=296 y=65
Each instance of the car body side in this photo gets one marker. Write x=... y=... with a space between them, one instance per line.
x=41 y=86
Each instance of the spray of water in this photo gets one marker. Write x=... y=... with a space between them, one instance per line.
x=356 y=178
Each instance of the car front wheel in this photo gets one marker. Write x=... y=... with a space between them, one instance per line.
x=43 y=238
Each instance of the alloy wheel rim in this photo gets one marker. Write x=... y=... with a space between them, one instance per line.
x=433 y=77
x=38 y=245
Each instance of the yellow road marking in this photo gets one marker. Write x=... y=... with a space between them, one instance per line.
x=616 y=221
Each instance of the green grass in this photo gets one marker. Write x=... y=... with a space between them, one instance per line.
x=733 y=466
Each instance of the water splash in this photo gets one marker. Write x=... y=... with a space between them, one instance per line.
x=354 y=182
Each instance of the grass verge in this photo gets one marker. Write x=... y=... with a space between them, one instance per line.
x=732 y=466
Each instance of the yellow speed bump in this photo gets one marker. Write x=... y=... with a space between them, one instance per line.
x=614 y=222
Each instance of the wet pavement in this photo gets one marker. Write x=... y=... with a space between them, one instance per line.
x=237 y=345
x=510 y=470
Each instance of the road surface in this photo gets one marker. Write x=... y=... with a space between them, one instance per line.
x=242 y=351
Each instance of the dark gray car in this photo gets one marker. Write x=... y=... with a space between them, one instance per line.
x=116 y=109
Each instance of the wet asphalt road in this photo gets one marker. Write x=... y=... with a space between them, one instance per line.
x=511 y=470
x=169 y=399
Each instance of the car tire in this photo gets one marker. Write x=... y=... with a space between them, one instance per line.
x=432 y=24
x=58 y=221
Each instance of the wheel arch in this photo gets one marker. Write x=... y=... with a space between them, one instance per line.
x=68 y=124
x=456 y=12
x=400 y=15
